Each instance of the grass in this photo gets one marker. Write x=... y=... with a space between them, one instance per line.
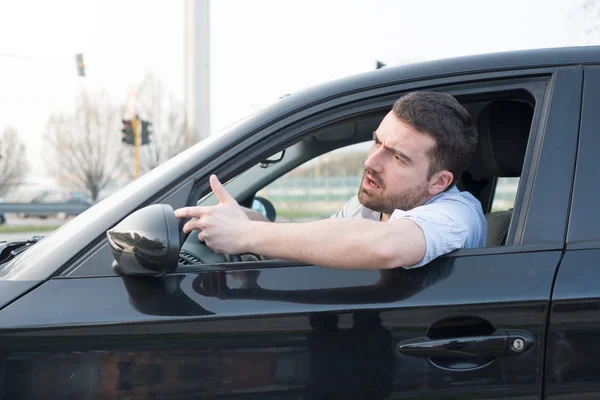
x=28 y=228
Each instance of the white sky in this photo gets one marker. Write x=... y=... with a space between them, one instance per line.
x=259 y=49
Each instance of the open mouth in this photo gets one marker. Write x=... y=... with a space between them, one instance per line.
x=370 y=183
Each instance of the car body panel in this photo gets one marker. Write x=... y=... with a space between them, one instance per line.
x=585 y=213
x=10 y=290
x=295 y=325
x=555 y=166
x=573 y=352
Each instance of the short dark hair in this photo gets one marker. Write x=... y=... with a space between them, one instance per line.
x=442 y=117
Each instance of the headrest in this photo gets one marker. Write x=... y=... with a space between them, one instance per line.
x=504 y=127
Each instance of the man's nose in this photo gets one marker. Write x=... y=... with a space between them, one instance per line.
x=375 y=159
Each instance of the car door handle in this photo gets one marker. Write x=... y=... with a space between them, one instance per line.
x=501 y=343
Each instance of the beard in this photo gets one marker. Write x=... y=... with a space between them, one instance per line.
x=387 y=203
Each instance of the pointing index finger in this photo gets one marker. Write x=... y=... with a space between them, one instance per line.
x=222 y=195
x=190 y=212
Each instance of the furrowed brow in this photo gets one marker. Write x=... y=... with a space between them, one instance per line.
x=397 y=152
x=400 y=154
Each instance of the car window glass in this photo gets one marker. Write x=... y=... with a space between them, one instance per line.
x=505 y=194
x=320 y=187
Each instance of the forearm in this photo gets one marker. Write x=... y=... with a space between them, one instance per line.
x=340 y=243
x=255 y=215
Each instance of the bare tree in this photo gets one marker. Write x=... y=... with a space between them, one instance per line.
x=84 y=148
x=13 y=159
x=156 y=105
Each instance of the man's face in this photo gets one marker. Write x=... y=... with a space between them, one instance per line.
x=396 y=169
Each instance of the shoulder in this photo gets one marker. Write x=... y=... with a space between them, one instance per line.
x=451 y=214
x=352 y=209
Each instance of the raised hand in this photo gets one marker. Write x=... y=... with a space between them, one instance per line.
x=224 y=227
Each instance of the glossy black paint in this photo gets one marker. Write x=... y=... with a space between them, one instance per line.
x=573 y=352
x=499 y=344
x=147 y=242
x=556 y=164
x=573 y=365
x=11 y=289
x=585 y=213
x=297 y=332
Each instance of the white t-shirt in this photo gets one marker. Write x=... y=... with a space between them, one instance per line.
x=451 y=220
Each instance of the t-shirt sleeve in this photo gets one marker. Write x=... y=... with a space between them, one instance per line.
x=350 y=210
x=446 y=226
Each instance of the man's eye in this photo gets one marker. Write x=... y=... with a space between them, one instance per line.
x=398 y=158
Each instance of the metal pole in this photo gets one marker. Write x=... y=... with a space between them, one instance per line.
x=197 y=51
x=132 y=106
x=136 y=143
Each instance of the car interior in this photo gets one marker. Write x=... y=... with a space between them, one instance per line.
x=503 y=121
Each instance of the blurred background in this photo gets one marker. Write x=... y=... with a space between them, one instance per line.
x=77 y=77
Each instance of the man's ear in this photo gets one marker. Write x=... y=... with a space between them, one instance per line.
x=440 y=182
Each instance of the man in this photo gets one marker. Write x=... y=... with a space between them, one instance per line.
x=408 y=210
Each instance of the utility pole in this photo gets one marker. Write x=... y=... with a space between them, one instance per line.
x=197 y=73
x=136 y=132
x=80 y=64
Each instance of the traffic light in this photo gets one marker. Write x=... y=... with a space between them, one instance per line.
x=146 y=132
x=80 y=64
x=127 y=132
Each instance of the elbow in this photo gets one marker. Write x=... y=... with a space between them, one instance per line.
x=390 y=256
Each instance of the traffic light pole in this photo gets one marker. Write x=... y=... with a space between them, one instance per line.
x=135 y=125
x=136 y=132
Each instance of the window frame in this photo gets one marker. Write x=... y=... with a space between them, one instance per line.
x=550 y=88
x=582 y=230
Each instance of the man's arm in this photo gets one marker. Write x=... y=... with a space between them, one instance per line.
x=254 y=215
x=339 y=243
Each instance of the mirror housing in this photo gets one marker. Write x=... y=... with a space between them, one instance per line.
x=147 y=242
x=264 y=207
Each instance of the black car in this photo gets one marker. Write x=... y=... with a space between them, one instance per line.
x=147 y=312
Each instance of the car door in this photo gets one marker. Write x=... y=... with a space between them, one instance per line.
x=573 y=362
x=468 y=323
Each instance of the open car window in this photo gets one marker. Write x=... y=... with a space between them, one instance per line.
x=318 y=188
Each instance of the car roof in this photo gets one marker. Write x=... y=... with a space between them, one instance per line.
x=461 y=65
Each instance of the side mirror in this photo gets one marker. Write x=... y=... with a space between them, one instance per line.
x=147 y=242
x=265 y=207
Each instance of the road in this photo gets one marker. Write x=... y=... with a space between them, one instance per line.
x=34 y=223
